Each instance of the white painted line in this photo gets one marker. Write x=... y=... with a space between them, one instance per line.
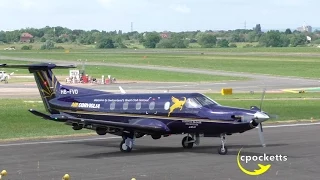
x=291 y=125
x=53 y=142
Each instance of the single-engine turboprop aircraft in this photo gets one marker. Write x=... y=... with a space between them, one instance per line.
x=135 y=115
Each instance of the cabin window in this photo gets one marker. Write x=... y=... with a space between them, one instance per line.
x=152 y=105
x=125 y=105
x=112 y=105
x=166 y=105
x=138 y=106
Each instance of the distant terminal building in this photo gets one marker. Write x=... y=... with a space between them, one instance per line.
x=305 y=28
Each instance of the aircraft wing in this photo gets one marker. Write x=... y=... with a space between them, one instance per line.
x=128 y=126
x=141 y=125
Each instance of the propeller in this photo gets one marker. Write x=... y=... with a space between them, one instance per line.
x=261 y=136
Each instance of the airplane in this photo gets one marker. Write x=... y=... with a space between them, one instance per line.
x=133 y=116
x=4 y=76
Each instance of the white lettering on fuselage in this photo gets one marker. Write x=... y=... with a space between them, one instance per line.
x=121 y=100
x=192 y=124
x=70 y=91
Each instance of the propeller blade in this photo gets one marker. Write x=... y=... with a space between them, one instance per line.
x=261 y=135
x=273 y=116
x=262 y=97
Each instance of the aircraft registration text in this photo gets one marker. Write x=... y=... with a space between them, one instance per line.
x=70 y=91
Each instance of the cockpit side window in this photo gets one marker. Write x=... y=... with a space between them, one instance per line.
x=204 y=101
x=192 y=103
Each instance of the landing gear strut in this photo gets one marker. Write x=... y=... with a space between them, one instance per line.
x=222 y=149
x=127 y=142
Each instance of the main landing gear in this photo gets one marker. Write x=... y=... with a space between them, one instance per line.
x=127 y=142
x=188 y=142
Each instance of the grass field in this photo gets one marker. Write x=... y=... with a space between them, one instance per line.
x=17 y=122
x=122 y=74
x=293 y=64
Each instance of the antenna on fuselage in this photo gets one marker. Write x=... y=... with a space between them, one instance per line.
x=122 y=90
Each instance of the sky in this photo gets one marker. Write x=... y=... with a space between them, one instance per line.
x=158 y=15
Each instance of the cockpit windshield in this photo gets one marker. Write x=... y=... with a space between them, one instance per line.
x=199 y=101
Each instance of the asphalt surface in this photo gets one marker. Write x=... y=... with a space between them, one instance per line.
x=165 y=158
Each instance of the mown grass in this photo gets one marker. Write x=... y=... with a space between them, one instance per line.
x=268 y=96
x=272 y=63
x=121 y=73
x=287 y=106
x=17 y=122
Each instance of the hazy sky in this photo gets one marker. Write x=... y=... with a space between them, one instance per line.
x=158 y=15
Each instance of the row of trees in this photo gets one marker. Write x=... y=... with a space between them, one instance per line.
x=207 y=39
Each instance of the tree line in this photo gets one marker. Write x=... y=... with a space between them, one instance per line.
x=50 y=36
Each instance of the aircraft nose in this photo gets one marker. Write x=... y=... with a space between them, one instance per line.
x=260 y=117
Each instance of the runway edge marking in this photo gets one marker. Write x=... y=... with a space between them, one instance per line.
x=291 y=125
x=56 y=141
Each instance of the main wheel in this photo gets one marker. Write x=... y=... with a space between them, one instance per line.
x=124 y=147
x=156 y=136
x=185 y=142
x=223 y=151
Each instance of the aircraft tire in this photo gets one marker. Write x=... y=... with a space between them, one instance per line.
x=156 y=136
x=185 y=144
x=124 y=147
x=222 y=152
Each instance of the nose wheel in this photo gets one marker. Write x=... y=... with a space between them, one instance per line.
x=223 y=150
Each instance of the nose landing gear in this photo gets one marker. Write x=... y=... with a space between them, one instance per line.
x=222 y=149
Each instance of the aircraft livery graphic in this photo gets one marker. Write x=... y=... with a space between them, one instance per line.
x=177 y=104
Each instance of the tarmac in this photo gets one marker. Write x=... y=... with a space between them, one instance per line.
x=99 y=157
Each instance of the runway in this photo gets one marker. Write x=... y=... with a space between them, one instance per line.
x=165 y=158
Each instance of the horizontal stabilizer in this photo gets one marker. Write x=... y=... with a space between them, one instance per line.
x=37 y=66
x=54 y=117
x=37 y=113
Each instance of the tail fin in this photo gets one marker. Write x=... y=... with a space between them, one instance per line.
x=47 y=83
